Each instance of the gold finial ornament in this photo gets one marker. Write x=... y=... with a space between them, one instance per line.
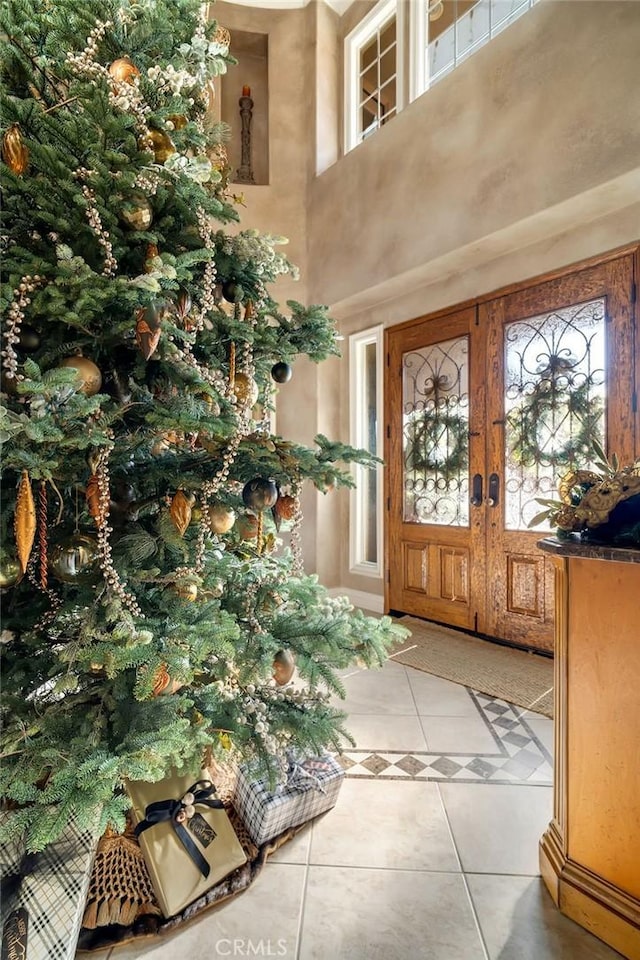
x=14 y=152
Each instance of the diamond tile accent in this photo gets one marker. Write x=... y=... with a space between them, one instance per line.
x=506 y=723
x=497 y=707
x=345 y=762
x=375 y=764
x=517 y=739
x=446 y=767
x=411 y=765
x=482 y=768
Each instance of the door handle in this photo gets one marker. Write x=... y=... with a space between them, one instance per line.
x=494 y=490
x=476 y=490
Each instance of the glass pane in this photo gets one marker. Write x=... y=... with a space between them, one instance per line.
x=472 y=28
x=387 y=98
x=388 y=35
x=369 y=83
x=369 y=117
x=442 y=53
x=554 y=403
x=371 y=490
x=435 y=395
x=504 y=11
x=387 y=66
x=369 y=54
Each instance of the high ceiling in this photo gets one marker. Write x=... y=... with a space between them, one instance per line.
x=338 y=5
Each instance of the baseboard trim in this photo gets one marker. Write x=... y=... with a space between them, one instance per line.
x=605 y=911
x=359 y=598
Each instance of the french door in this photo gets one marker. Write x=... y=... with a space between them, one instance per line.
x=486 y=408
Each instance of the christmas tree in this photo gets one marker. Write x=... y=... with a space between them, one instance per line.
x=150 y=613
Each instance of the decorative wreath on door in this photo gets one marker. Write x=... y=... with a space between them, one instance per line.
x=535 y=425
x=438 y=442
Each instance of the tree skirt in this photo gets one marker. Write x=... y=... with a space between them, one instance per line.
x=121 y=905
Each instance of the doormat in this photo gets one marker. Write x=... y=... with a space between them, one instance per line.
x=525 y=679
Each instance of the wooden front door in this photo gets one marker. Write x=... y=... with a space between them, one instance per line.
x=486 y=408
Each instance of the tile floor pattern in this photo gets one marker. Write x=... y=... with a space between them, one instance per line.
x=431 y=852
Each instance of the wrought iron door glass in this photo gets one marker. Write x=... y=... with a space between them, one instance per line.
x=435 y=397
x=554 y=402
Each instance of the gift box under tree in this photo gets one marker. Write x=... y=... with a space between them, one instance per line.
x=311 y=788
x=43 y=896
x=186 y=837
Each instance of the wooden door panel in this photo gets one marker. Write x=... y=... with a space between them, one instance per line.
x=454 y=574
x=525 y=585
x=415 y=567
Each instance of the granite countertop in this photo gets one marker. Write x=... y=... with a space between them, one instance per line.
x=573 y=546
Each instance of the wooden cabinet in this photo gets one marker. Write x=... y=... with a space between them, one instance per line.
x=590 y=854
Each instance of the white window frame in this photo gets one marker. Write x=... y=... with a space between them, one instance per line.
x=358 y=506
x=418 y=80
x=353 y=43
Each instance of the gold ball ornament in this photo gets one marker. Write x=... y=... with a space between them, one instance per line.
x=10 y=573
x=123 y=70
x=14 y=152
x=284 y=666
x=186 y=590
x=246 y=389
x=75 y=559
x=221 y=518
x=136 y=212
x=89 y=376
x=160 y=144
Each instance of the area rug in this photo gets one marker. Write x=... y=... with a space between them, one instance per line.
x=525 y=679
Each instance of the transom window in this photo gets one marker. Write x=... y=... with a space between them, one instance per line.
x=449 y=31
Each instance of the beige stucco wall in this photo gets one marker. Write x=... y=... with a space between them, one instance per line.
x=546 y=112
x=524 y=159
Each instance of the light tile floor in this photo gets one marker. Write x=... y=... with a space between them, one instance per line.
x=430 y=854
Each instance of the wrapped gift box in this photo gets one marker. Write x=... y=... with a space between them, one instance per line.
x=311 y=789
x=176 y=869
x=43 y=896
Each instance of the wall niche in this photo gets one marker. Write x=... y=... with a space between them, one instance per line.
x=249 y=77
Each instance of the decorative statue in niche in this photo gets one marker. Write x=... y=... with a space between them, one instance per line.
x=244 y=173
